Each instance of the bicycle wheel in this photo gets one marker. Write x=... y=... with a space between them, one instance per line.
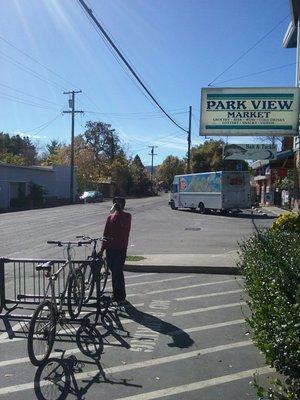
x=89 y=282
x=41 y=333
x=75 y=294
x=104 y=272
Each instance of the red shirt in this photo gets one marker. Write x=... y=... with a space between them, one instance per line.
x=117 y=230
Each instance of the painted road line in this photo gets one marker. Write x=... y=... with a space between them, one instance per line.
x=137 y=365
x=177 y=332
x=204 y=309
x=26 y=359
x=184 y=287
x=15 y=328
x=172 y=391
x=207 y=327
x=5 y=338
x=201 y=296
x=160 y=281
x=138 y=275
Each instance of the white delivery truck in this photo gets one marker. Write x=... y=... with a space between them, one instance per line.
x=223 y=190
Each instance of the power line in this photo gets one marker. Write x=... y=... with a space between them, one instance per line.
x=257 y=73
x=134 y=116
x=42 y=126
x=30 y=71
x=249 y=49
x=158 y=139
x=29 y=95
x=112 y=44
x=36 y=61
x=22 y=101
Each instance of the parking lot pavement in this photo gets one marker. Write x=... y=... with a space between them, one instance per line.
x=181 y=336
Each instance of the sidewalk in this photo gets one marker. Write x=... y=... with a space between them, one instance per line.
x=272 y=209
x=186 y=263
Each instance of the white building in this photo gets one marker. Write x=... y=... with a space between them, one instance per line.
x=15 y=181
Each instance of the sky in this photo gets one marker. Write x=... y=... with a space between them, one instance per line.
x=176 y=46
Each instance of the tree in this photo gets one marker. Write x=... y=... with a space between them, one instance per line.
x=140 y=183
x=207 y=157
x=120 y=174
x=171 y=166
x=12 y=159
x=18 y=146
x=53 y=146
x=102 y=140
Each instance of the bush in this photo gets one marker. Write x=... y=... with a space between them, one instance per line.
x=270 y=263
x=288 y=221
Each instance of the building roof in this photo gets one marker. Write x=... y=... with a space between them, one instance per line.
x=38 y=167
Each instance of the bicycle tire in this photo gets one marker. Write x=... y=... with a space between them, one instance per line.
x=103 y=276
x=75 y=294
x=89 y=282
x=56 y=374
x=46 y=332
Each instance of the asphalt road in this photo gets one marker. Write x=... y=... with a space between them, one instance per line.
x=182 y=337
x=156 y=229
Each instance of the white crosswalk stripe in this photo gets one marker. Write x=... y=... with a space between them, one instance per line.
x=158 y=394
x=211 y=308
x=203 y=296
x=137 y=365
x=174 y=289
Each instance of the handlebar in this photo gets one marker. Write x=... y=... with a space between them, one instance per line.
x=68 y=243
x=101 y=239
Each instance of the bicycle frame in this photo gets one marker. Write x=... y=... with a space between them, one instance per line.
x=53 y=278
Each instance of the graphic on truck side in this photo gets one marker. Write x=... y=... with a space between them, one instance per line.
x=201 y=183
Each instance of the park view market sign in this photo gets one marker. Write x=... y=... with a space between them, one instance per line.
x=249 y=111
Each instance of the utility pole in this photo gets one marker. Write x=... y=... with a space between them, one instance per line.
x=72 y=112
x=152 y=154
x=189 y=141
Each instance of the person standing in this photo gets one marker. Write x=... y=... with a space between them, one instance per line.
x=117 y=229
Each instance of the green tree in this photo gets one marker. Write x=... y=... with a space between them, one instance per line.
x=53 y=147
x=171 y=166
x=12 y=159
x=140 y=183
x=102 y=140
x=120 y=175
x=207 y=157
x=18 y=146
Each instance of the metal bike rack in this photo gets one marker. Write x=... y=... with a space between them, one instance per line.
x=22 y=285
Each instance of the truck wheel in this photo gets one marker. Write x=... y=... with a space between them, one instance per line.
x=172 y=205
x=201 y=208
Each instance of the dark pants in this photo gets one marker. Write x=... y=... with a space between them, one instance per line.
x=115 y=262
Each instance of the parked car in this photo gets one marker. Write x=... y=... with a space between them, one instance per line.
x=91 y=196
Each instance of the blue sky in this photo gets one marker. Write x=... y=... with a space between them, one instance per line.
x=177 y=47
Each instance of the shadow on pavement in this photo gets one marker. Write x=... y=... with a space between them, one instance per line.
x=60 y=377
x=242 y=215
x=180 y=338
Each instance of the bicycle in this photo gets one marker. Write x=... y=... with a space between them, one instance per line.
x=91 y=270
x=49 y=313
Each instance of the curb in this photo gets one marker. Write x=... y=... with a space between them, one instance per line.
x=181 y=269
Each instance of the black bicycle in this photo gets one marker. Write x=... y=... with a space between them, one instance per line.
x=50 y=312
x=95 y=271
